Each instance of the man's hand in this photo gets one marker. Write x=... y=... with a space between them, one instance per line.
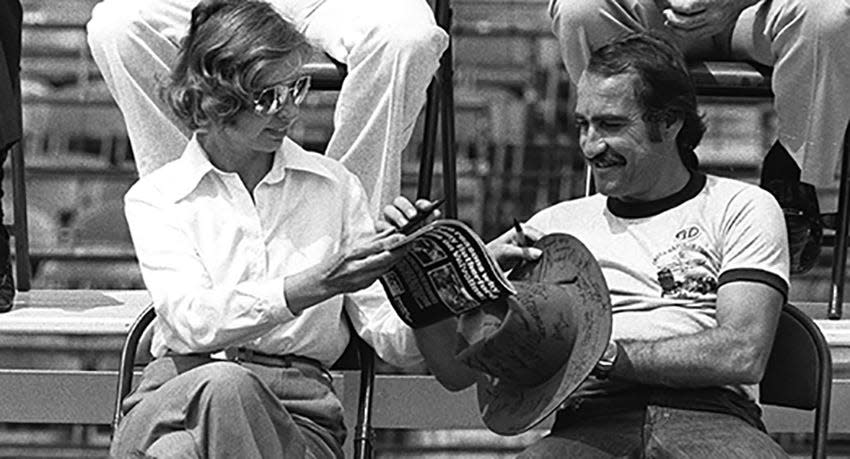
x=511 y=247
x=691 y=19
x=402 y=211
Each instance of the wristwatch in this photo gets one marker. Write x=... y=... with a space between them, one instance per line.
x=606 y=363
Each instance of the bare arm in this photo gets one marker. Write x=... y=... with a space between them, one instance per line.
x=438 y=344
x=735 y=352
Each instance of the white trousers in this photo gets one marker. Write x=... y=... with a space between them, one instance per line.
x=391 y=48
x=807 y=42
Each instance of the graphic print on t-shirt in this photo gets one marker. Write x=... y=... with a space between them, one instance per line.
x=685 y=270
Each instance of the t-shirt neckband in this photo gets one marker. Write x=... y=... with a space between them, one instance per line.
x=642 y=209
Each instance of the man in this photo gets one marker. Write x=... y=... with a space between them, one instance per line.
x=805 y=41
x=697 y=267
x=391 y=49
x=10 y=124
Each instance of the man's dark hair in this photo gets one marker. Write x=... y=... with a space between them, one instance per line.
x=663 y=89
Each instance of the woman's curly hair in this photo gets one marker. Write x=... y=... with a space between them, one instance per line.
x=229 y=46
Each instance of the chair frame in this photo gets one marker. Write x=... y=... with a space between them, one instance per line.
x=364 y=435
x=18 y=229
x=808 y=388
x=440 y=101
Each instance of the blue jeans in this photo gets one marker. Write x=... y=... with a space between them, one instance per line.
x=655 y=431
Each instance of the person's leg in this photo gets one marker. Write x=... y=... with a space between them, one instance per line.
x=805 y=41
x=581 y=26
x=675 y=433
x=134 y=45
x=607 y=436
x=212 y=410
x=307 y=394
x=392 y=49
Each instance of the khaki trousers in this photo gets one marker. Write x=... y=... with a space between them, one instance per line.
x=196 y=407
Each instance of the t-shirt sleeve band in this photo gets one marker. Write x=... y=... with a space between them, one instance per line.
x=755 y=275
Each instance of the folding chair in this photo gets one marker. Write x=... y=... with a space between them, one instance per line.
x=799 y=372
x=743 y=79
x=358 y=356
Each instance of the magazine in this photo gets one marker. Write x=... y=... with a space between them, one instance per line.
x=447 y=271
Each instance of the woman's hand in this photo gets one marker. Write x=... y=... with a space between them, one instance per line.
x=349 y=270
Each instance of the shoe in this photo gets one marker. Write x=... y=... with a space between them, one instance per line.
x=7 y=282
x=781 y=177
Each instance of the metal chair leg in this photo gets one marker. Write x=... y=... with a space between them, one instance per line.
x=440 y=101
x=839 y=252
x=426 y=161
x=364 y=434
x=20 y=228
x=447 y=105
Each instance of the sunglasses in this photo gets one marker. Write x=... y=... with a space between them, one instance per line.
x=273 y=99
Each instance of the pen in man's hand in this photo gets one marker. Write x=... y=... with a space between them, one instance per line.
x=421 y=215
x=524 y=240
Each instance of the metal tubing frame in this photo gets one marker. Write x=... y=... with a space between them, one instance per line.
x=19 y=227
x=364 y=433
x=823 y=396
x=440 y=99
x=128 y=357
x=839 y=251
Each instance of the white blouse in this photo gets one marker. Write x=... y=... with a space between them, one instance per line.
x=214 y=260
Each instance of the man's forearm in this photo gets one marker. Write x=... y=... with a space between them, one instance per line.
x=438 y=344
x=714 y=357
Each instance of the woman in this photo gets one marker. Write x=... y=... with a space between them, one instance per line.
x=252 y=246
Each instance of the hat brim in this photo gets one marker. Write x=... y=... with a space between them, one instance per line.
x=508 y=409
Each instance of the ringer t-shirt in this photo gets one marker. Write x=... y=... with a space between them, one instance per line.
x=664 y=260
